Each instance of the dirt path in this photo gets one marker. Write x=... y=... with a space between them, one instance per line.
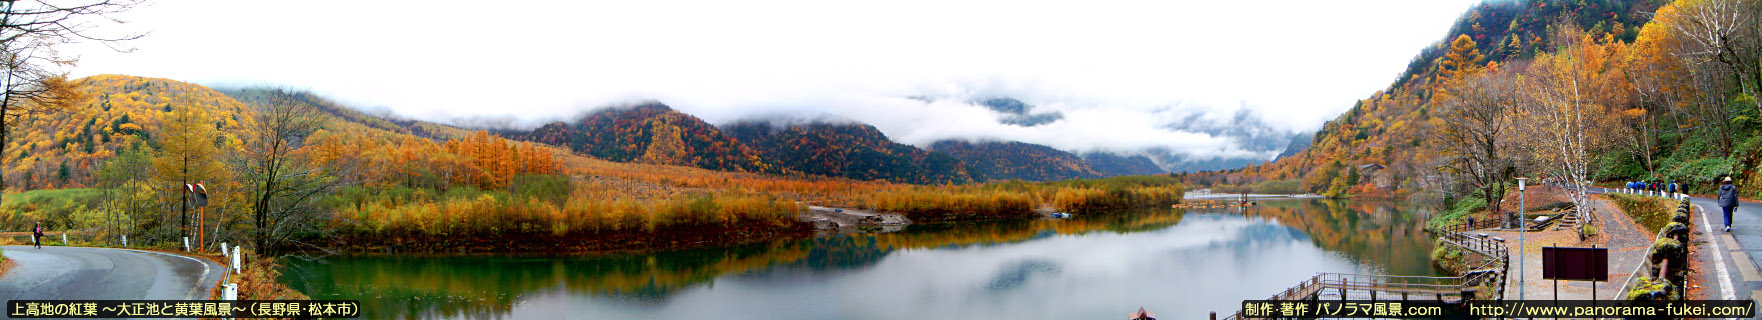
x=1627 y=245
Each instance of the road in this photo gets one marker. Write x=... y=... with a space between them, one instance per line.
x=55 y=272
x=1731 y=273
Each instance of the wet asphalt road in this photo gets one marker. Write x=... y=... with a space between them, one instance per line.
x=55 y=272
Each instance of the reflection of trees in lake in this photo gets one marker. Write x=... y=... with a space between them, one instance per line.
x=455 y=286
x=1128 y=221
x=1363 y=230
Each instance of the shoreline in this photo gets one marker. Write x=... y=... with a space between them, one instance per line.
x=1249 y=196
x=811 y=221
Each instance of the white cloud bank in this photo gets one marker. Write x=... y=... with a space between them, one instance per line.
x=1114 y=68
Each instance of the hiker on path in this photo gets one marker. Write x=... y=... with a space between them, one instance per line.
x=1728 y=200
x=37 y=235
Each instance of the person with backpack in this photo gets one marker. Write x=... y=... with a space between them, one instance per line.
x=1728 y=200
x=37 y=235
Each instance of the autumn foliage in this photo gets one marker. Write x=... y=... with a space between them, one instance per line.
x=1603 y=91
x=414 y=186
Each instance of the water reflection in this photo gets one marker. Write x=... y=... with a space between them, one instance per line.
x=1178 y=264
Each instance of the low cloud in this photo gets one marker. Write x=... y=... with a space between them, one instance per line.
x=1116 y=70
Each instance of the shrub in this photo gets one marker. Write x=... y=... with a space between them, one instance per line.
x=1650 y=212
x=55 y=208
x=1701 y=174
x=550 y=188
x=952 y=203
x=1456 y=214
x=1650 y=289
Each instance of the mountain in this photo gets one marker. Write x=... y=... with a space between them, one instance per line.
x=1014 y=112
x=1299 y=142
x=652 y=133
x=349 y=116
x=1257 y=142
x=64 y=149
x=1111 y=165
x=850 y=150
x=993 y=160
x=1392 y=127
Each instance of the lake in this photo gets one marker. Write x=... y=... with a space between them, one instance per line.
x=1177 y=263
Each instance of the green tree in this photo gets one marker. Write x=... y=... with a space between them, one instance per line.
x=127 y=193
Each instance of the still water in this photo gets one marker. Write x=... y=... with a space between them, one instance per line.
x=1179 y=264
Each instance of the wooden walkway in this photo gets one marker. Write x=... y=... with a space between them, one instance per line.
x=1490 y=267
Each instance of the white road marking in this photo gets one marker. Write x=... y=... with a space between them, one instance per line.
x=204 y=276
x=1718 y=257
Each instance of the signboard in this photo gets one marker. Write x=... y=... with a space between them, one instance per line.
x=1565 y=263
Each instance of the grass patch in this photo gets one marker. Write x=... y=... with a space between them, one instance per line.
x=1650 y=212
x=258 y=281
x=1456 y=214
x=54 y=207
x=1448 y=257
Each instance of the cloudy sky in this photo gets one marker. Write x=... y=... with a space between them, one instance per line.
x=1117 y=70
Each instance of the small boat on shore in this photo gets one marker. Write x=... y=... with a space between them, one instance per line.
x=1061 y=215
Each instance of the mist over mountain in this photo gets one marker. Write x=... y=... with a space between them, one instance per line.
x=652 y=133
x=1299 y=142
x=1251 y=140
x=1109 y=164
x=1014 y=112
x=1001 y=160
x=850 y=150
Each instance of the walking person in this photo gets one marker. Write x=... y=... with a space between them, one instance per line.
x=1728 y=200
x=37 y=235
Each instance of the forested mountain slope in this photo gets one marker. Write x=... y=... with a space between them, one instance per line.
x=849 y=150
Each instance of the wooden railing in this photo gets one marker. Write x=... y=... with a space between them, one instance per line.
x=1349 y=286
x=1342 y=286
